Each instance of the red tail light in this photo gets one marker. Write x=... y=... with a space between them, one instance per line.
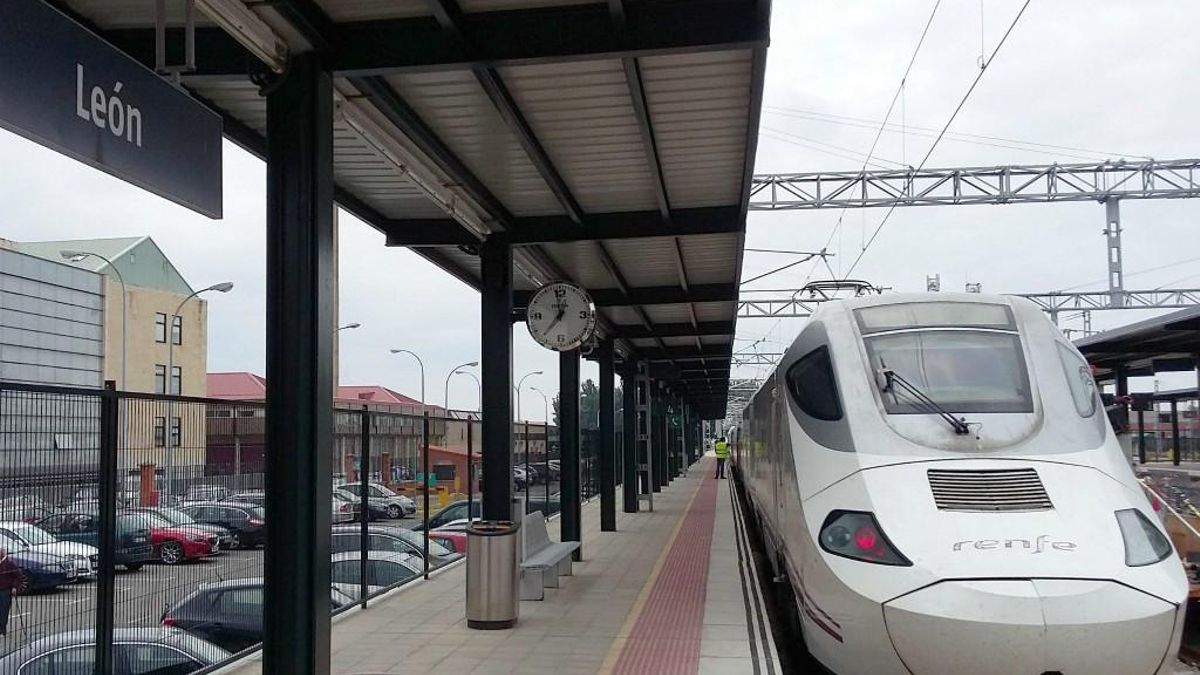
x=856 y=535
x=345 y=508
x=169 y=621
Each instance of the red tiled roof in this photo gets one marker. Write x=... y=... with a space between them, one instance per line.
x=373 y=394
x=242 y=386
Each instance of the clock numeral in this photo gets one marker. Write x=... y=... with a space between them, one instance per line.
x=584 y=314
x=562 y=338
x=537 y=316
x=560 y=292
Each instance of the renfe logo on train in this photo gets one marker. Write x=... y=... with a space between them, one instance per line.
x=1042 y=543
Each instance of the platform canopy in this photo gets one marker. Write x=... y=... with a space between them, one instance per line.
x=613 y=142
x=1168 y=343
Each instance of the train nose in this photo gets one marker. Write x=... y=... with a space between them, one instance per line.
x=1013 y=627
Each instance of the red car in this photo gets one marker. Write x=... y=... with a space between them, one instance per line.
x=455 y=541
x=174 y=544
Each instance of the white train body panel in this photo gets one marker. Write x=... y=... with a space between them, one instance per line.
x=997 y=581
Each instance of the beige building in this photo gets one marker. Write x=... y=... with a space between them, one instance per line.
x=151 y=345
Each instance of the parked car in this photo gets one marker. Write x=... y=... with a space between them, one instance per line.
x=173 y=543
x=42 y=571
x=539 y=502
x=454 y=541
x=27 y=508
x=450 y=512
x=164 y=651
x=21 y=536
x=177 y=517
x=384 y=569
x=396 y=505
x=206 y=493
x=256 y=497
x=520 y=478
x=347 y=538
x=346 y=507
x=133 y=537
x=229 y=613
x=245 y=522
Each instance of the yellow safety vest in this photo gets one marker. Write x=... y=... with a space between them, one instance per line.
x=722 y=450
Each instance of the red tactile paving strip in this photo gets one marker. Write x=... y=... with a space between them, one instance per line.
x=665 y=640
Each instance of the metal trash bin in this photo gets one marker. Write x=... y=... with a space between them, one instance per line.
x=493 y=574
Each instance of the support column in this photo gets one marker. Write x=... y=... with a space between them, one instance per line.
x=629 y=413
x=1175 y=449
x=568 y=442
x=495 y=300
x=662 y=473
x=1112 y=232
x=301 y=292
x=608 y=492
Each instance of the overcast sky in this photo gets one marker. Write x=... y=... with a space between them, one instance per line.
x=1107 y=79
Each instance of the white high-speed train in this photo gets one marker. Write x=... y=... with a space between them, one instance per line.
x=937 y=479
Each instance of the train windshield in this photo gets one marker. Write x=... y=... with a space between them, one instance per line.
x=964 y=371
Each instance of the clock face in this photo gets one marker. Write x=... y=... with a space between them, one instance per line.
x=561 y=316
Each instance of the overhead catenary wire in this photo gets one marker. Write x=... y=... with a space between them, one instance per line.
x=1068 y=151
x=974 y=83
x=875 y=143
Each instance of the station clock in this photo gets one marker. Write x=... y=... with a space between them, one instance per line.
x=561 y=316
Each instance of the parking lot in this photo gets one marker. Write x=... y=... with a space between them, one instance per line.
x=141 y=597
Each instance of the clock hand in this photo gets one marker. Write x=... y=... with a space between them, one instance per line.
x=561 y=313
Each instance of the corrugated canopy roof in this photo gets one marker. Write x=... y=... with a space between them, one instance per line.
x=612 y=141
x=1162 y=344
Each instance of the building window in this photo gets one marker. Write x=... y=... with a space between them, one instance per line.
x=177 y=330
x=160 y=379
x=160 y=327
x=160 y=431
x=175 y=432
x=176 y=380
x=246 y=413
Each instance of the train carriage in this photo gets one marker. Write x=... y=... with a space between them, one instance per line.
x=938 y=481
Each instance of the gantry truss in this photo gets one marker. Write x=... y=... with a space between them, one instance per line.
x=1122 y=179
x=799 y=305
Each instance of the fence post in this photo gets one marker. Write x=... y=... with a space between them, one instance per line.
x=546 y=457
x=528 y=478
x=105 y=585
x=364 y=517
x=425 y=480
x=470 y=471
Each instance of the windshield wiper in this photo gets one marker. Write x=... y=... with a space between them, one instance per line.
x=960 y=425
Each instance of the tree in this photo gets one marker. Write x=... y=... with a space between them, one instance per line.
x=589 y=405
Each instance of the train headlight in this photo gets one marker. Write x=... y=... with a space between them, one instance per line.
x=856 y=535
x=1144 y=543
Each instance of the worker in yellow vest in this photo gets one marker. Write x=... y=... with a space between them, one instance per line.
x=721 y=448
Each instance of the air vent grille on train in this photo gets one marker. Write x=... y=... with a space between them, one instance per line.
x=989 y=490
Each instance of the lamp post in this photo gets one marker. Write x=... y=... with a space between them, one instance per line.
x=76 y=256
x=223 y=287
x=349 y=326
x=478 y=386
x=518 y=388
x=455 y=369
x=422 y=366
x=545 y=402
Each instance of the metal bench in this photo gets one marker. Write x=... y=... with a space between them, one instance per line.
x=542 y=560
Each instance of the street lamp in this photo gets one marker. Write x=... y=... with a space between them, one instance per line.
x=419 y=363
x=348 y=326
x=518 y=388
x=546 y=402
x=77 y=256
x=470 y=364
x=478 y=386
x=223 y=287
